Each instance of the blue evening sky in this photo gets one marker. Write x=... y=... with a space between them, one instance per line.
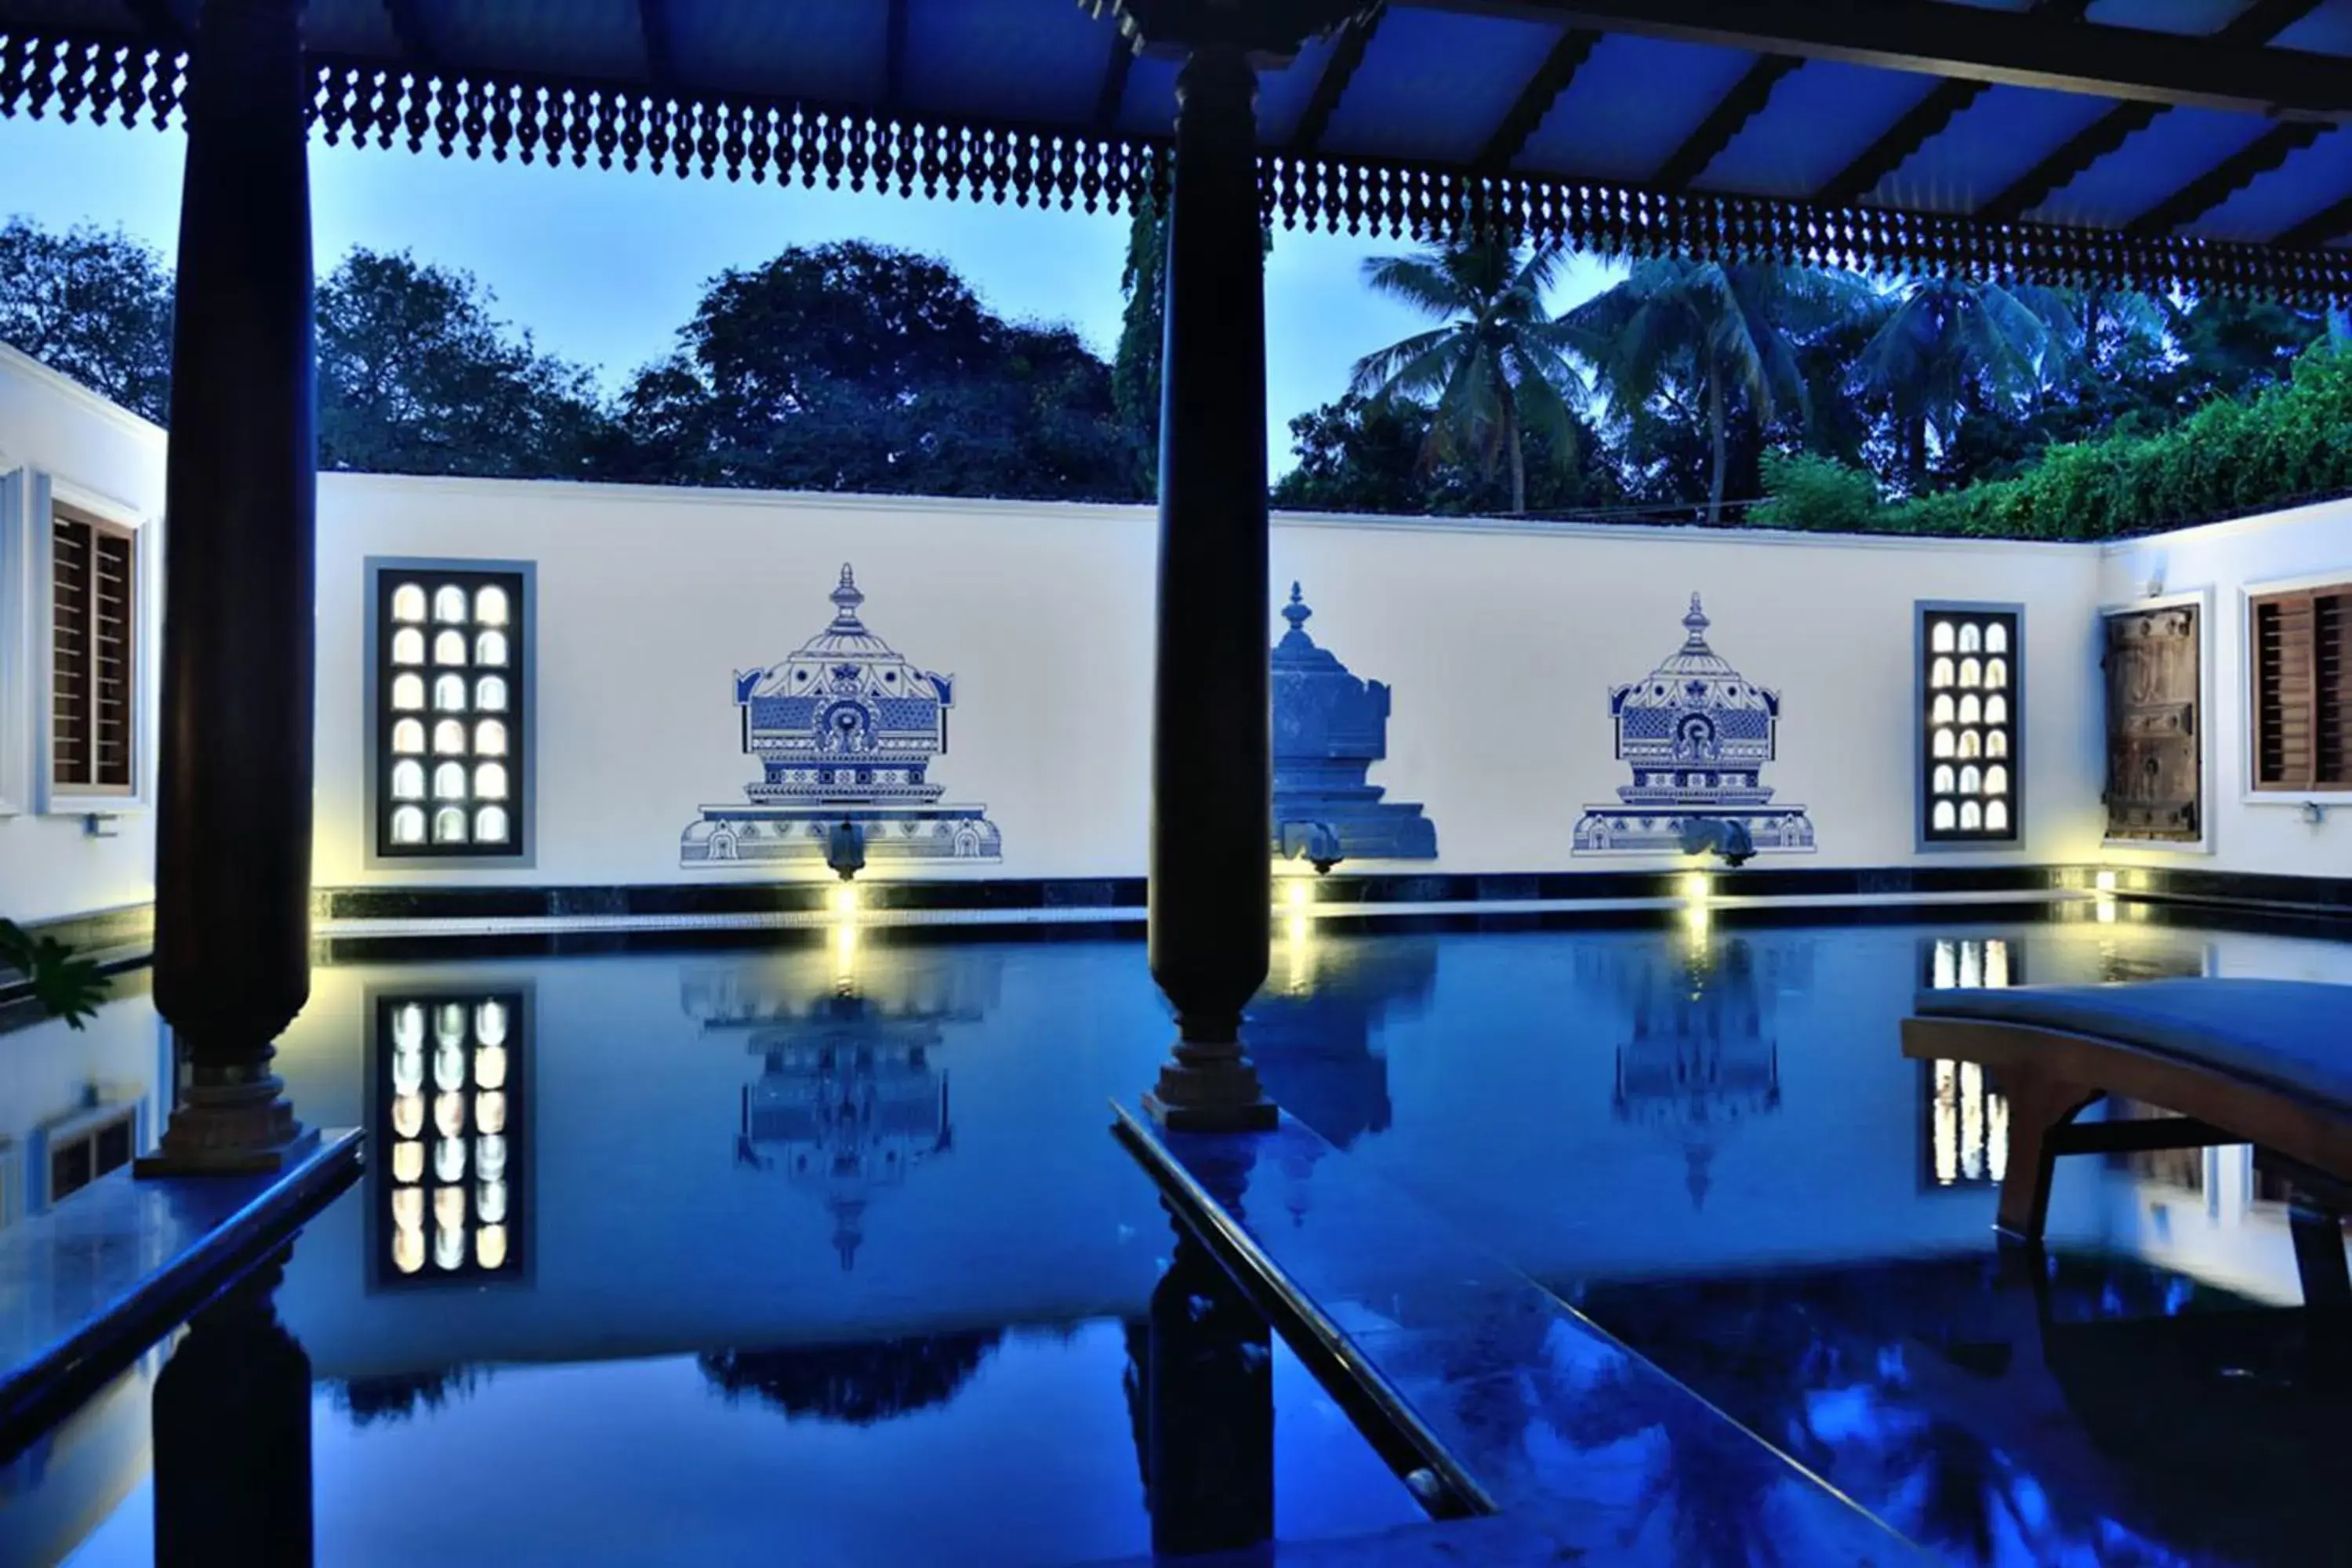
x=602 y=267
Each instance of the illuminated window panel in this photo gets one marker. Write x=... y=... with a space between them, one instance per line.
x=449 y=678
x=1965 y=1135
x=1968 y=725
x=450 y=1207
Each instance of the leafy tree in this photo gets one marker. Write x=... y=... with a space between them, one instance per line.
x=1951 y=345
x=2284 y=445
x=1699 y=344
x=857 y=367
x=1496 y=371
x=1372 y=455
x=417 y=377
x=1143 y=327
x=91 y=305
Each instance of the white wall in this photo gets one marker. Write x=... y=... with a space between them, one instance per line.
x=2222 y=562
x=109 y=461
x=1501 y=644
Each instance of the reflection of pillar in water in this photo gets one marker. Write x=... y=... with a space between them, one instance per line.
x=232 y=1434
x=1698 y=1062
x=1208 y=1390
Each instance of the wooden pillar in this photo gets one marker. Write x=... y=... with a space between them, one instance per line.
x=1212 y=781
x=232 y=825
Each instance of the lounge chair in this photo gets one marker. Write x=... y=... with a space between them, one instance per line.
x=2267 y=1062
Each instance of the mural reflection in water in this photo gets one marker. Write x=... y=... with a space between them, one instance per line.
x=1699 y=1056
x=1314 y=1029
x=849 y=1101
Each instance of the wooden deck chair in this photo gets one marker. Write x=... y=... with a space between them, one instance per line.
x=2266 y=1062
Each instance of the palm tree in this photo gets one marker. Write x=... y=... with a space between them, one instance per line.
x=1495 y=371
x=1949 y=344
x=1695 y=336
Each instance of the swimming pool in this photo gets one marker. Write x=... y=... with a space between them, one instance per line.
x=825 y=1241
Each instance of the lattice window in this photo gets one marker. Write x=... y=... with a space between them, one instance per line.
x=449 y=770
x=451 y=1097
x=2300 y=668
x=1971 y=738
x=93 y=655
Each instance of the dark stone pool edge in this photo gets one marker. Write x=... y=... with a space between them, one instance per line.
x=85 y=1293
x=1482 y=1304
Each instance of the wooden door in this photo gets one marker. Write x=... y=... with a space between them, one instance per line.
x=2155 y=779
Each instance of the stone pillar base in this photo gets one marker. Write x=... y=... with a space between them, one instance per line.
x=245 y=1127
x=1210 y=1088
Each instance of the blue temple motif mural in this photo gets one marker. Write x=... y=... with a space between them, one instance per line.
x=845 y=730
x=1696 y=734
x=1330 y=727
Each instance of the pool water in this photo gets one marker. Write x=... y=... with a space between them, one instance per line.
x=820 y=1249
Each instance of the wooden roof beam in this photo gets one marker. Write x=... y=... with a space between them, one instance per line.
x=415 y=38
x=1922 y=122
x=1746 y=100
x=1112 y=91
x=2231 y=174
x=661 y=59
x=1535 y=101
x=1338 y=69
x=894 y=56
x=1975 y=44
x=2333 y=221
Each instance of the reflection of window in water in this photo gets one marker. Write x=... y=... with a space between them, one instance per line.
x=2274 y=1186
x=1967 y=1119
x=2182 y=1170
x=449 y=1102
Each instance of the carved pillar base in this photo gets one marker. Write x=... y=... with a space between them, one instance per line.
x=231 y=1119
x=1210 y=1087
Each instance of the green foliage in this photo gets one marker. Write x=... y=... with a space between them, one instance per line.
x=1817 y=494
x=91 y=305
x=1143 y=327
x=1495 y=374
x=858 y=367
x=417 y=377
x=1372 y=454
x=64 y=985
x=1691 y=352
x=2286 y=443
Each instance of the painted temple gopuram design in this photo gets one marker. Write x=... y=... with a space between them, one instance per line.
x=1696 y=734
x=845 y=731
x=1330 y=727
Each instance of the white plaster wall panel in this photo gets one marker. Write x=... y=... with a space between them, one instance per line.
x=49 y=866
x=1500 y=643
x=2226 y=560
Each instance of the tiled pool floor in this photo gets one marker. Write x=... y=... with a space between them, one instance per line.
x=824 y=1249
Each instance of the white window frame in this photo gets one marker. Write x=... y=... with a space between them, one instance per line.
x=42 y=495
x=2247 y=594
x=16 y=661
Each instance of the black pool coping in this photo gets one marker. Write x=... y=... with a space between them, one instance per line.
x=1449 y=1343
x=95 y=1279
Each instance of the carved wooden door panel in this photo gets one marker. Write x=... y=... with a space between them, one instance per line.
x=2155 y=783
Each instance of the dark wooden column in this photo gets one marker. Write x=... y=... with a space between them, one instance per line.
x=233 y=828
x=1211 y=768
x=1211 y=746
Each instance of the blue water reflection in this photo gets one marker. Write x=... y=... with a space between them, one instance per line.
x=727 y=1244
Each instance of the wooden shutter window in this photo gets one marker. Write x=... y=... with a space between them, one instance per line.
x=2301 y=689
x=94 y=605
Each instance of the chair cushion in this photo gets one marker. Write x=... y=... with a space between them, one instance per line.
x=2287 y=1034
